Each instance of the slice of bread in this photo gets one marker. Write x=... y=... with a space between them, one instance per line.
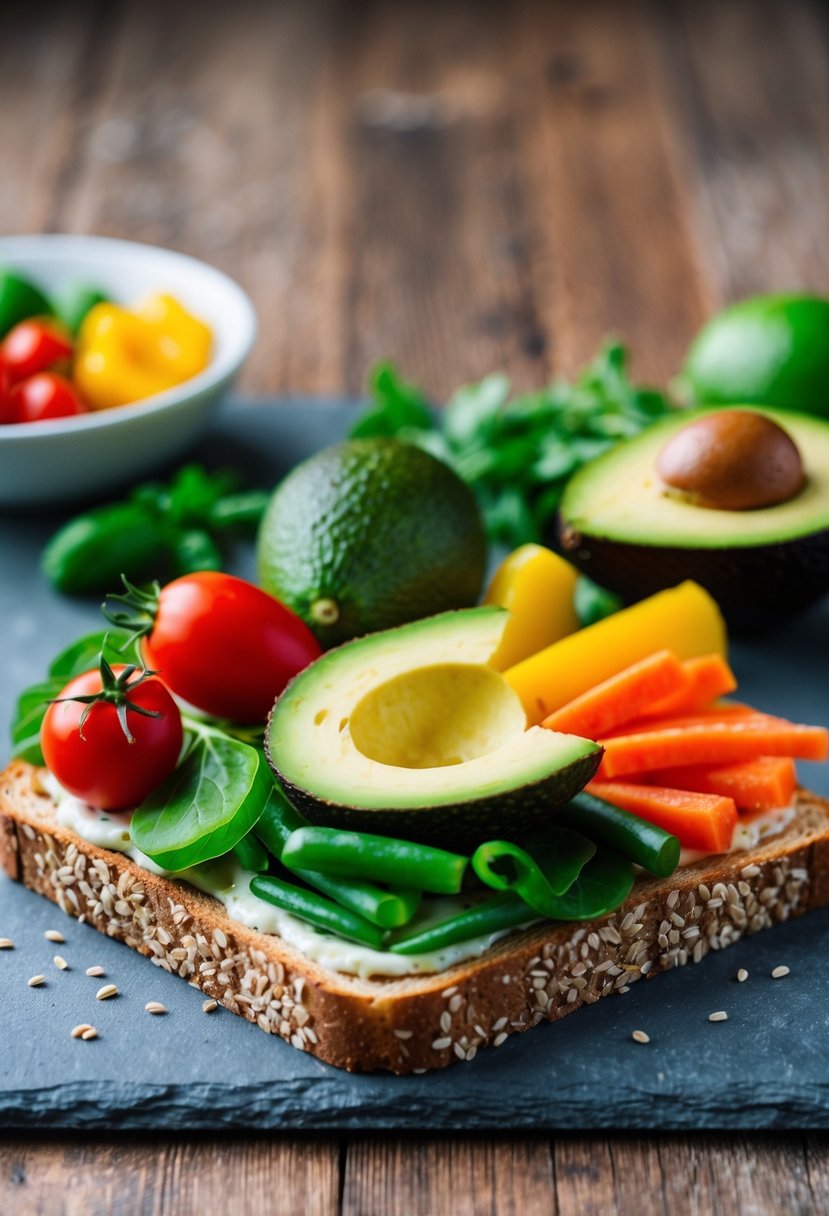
x=426 y=1021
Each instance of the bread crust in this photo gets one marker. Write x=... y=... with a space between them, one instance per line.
x=420 y=1022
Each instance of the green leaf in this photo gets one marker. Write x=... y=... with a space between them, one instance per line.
x=471 y=411
x=33 y=702
x=207 y=805
x=592 y=602
x=603 y=884
x=397 y=406
x=561 y=854
x=84 y=654
x=28 y=717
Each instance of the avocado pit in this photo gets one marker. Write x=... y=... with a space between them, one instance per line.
x=732 y=460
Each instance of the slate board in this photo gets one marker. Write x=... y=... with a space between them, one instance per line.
x=767 y=1066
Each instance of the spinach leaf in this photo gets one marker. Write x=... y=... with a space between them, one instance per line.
x=33 y=702
x=603 y=884
x=84 y=654
x=561 y=854
x=207 y=805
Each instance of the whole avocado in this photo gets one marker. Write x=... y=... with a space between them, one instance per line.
x=369 y=534
x=768 y=350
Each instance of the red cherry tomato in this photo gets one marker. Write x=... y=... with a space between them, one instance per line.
x=226 y=646
x=34 y=346
x=6 y=401
x=46 y=395
x=100 y=765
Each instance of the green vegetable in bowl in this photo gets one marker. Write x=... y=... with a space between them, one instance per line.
x=19 y=299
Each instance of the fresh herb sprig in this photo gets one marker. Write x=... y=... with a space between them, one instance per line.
x=517 y=452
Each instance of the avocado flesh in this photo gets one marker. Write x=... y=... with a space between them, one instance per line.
x=620 y=525
x=409 y=733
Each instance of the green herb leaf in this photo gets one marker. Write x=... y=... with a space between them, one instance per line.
x=33 y=702
x=593 y=603
x=603 y=884
x=84 y=654
x=397 y=406
x=207 y=805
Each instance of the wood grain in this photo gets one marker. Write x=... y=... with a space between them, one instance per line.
x=150 y=1176
x=393 y=1176
x=461 y=186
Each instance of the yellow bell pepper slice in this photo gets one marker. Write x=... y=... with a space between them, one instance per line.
x=536 y=586
x=684 y=619
x=124 y=355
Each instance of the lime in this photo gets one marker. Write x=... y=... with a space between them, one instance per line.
x=370 y=534
x=768 y=350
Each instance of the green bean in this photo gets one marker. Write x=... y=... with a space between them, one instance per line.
x=387 y=908
x=361 y=855
x=317 y=910
x=539 y=878
x=251 y=854
x=643 y=843
x=277 y=822
x=506 y=910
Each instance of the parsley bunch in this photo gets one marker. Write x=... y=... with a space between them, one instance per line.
x=517 y=452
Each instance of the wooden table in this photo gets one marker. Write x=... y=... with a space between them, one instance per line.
x=461 y=187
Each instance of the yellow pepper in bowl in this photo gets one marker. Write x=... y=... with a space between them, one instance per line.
x=126 y=354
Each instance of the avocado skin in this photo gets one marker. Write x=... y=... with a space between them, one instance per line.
x=458 y=825
x=757 y=587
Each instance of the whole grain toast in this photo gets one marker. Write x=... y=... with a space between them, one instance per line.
x=418 y=1022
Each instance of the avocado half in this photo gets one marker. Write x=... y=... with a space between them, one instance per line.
x=410 y=733
x=620 y=525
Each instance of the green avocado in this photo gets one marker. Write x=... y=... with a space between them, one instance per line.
x=621 y=525
x=768 y=350
x=410 y=733
x=370 y=534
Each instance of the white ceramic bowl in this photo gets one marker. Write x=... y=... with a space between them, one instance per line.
x=69 y=458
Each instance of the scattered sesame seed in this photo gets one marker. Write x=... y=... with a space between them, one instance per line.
x=54 y=935
x=6 y=943
x=742 y=975
x=60 y=962
x=95 y=972
x=108 y=990
x=78 y=1031
x=639 y=1036
x=209 y=1006
x=155 y=1007
x=92 y=1033
x=719 y=1016
x=779 y=972
x=37 y=980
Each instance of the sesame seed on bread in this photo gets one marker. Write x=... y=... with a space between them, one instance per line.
x=418 y=1022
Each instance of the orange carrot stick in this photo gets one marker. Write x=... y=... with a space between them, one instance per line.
x=621 y=698
x=712 y=742
x=756 y=785
x=707 y=677
x=700 y=821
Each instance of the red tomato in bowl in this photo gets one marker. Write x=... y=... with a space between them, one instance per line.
x=44 y=396
x=96 y=761
x=226 y=646
x=6 y=402
x=34 y=346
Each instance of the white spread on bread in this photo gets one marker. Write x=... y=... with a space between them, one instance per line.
x=230 y=885
x=109 y=830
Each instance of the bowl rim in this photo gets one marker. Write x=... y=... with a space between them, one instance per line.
x=51 y=247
